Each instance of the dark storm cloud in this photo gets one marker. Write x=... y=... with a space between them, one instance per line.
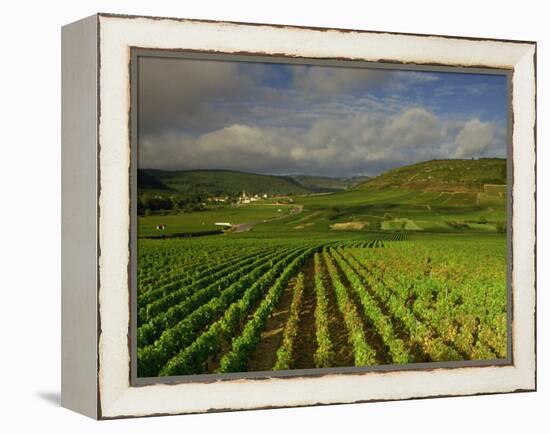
x=298 y=119
x=175 y=93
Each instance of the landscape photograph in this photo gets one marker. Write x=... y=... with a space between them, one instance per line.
x=301 y=216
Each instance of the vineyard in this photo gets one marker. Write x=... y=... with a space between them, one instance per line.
x=252 y=304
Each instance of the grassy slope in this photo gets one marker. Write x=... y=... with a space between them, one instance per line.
x=146 y=181
x=214 y=181
x=205 y=220
x=217 y=181
x=328 y=184
x=422 y=197
x=443 y=175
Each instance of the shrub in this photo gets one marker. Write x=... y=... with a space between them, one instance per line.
x=501 y=227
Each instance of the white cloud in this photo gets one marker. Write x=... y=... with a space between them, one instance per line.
x=474 y=138
x=413 y=128
x=323 y=80
x=338 y=146
x=176 y=91
x=299 y=119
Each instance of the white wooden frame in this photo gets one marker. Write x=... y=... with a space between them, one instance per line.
x=96 y=218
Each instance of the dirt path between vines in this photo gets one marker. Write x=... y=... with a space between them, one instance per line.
x=306 y=340
x=343 y=353
x=264 y=356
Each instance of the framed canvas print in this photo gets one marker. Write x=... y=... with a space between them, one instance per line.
x=260 y=216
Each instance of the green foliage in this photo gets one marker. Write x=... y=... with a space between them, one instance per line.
x=223 y=182
x=501 y=227
x=324 y=355
x=443 y=175
x=382 y=324
x=363 y=354
x=448 y=295
x=175 y=306
x=203 y=303
x=242 y=346
x=285 y=351
x=151 y=358
x=457 y=225
x=328 y=184
x=443 y=295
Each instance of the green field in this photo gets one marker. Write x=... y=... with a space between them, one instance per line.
x=205 y=220
x=407 y=267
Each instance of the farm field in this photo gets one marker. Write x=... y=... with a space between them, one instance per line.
x=205 y=220
x=311 y=216
x=249 y=305
x=385 y=272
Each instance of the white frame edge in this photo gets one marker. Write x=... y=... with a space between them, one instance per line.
x=117 y=398
x=79 y=239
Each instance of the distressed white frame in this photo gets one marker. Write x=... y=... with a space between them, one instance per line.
x=116 y=35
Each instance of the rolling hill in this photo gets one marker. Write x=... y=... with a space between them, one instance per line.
x=432 y=196
x=325 y=184
x=219 y=182
x=146 y=181
x=229 y=181
x=443 y=175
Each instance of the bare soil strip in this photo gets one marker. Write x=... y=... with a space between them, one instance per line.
x=264 y=356
x=306 y=344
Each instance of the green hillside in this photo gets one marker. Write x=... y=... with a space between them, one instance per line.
x=222 y=182
x=233 y=182
x=325 y=184
x=146 y=181
x=443 y=175
x=432 y=196
x=451 y=196
x=322 y=184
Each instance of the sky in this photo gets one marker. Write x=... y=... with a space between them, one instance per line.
x=274 y=118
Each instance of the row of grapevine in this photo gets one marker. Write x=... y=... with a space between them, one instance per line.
x=165 y=270
x=366 y=244
x=399 y=236
x=185 y=275
x=381 y=322
x=243 y=345
x=285 y=351
x=211 y=281
x=152 y=358
x=425 y=301
x=151 y=330
x=160 y=261
x=363 y=353
x=192 y=359
x=443 y=304
x=324 y=354
x=396 y=297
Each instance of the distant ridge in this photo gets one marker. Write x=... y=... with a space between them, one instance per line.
x=219 y=182
x=459 y=175
x=328 y=184
x=149 y=182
